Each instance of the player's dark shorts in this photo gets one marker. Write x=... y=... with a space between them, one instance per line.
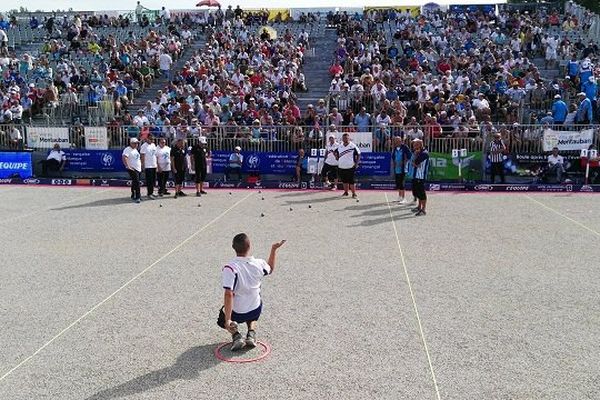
x=346 y=175
x=253 y=315
x=200 y=173
x=418 y=189
x=329 y=171
x=400 y=181
x=179 y=177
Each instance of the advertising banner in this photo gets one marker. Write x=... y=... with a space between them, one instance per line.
x=45 y=137
x=443 y=167
x=14 y=164
x=96 y=138
x=567 y=140
x=363 y=140
x=285 y=163
x=94 y=160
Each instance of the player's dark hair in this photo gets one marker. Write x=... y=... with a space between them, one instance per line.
x=241 y=243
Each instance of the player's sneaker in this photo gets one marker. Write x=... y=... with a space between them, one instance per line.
x=198 y=194
x=237 y=342
x=354 y=196
x=251 y=339
x=345 y=194
x=181 y=194
x=416 y=209
x=401 y=200
x=420 y=213
x=203 y=192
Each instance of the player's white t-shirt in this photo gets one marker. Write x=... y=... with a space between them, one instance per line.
x=163 y=156
x=330 y=157
x=149 y=152
x=244 y=275
x=133 y=158
x=346 y=155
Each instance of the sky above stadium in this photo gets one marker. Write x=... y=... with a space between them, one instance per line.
x=95 y=5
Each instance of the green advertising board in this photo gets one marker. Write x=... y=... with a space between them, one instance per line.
x=443 y=167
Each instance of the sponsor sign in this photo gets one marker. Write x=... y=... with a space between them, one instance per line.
x=62 y=182
x=96 y=138
x=567 y=140
x=45 y=137
x=14 y=164
x=80 y=160
x=362 y=140
x=285 y=163
x=516 y=188
x=444 y=166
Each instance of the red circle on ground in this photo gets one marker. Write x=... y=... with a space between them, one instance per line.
x=220 y=356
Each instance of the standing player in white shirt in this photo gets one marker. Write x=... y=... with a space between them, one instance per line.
x=148 y=152
x=242 y=278
x=163 y=162
x=133 y=164
x=330 y=165
x=348 y=156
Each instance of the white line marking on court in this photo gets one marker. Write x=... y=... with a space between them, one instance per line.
x=414 y=301
x=18 y=217
x=113 y=294
x=564 y=216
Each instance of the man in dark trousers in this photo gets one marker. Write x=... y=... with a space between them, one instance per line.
x=497 y=151
x=198 y=156
x=133 y=163
x=149 y=164
x=178 y=166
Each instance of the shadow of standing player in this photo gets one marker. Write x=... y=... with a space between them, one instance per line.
x=187 y=367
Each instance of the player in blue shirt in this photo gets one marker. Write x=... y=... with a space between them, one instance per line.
x=401 y=156
x=420 y=163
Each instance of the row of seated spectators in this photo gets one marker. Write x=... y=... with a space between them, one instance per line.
x=459 y=69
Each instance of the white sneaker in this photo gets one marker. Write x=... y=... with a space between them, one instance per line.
x=401 y=200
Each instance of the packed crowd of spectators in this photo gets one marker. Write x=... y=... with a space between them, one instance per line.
x=81 y=63
x=456 y=74
x=242 y=84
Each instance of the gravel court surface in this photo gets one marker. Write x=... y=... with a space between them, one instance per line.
x=78 y=254
x=18 y=203
x=156 y=338
x=506 y=322
x=516 y=319
x=584 y=209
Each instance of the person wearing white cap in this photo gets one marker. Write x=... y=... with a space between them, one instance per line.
x=584 y=110
x=133 y=163
x=559 y=110
x=198 y=154
x=330 y=165
x=236 y=160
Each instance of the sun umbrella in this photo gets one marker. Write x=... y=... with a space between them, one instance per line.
x=209 y=3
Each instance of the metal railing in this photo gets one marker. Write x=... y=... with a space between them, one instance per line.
x=289 y=138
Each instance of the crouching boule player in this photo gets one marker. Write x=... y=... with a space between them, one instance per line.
x=242 y=278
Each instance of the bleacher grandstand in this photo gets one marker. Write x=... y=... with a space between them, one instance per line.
x=452 y=77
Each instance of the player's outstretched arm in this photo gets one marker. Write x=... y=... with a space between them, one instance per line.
x=274 y=249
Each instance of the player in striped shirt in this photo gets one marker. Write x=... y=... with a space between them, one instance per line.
x=420 y=163
x=497 y=150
